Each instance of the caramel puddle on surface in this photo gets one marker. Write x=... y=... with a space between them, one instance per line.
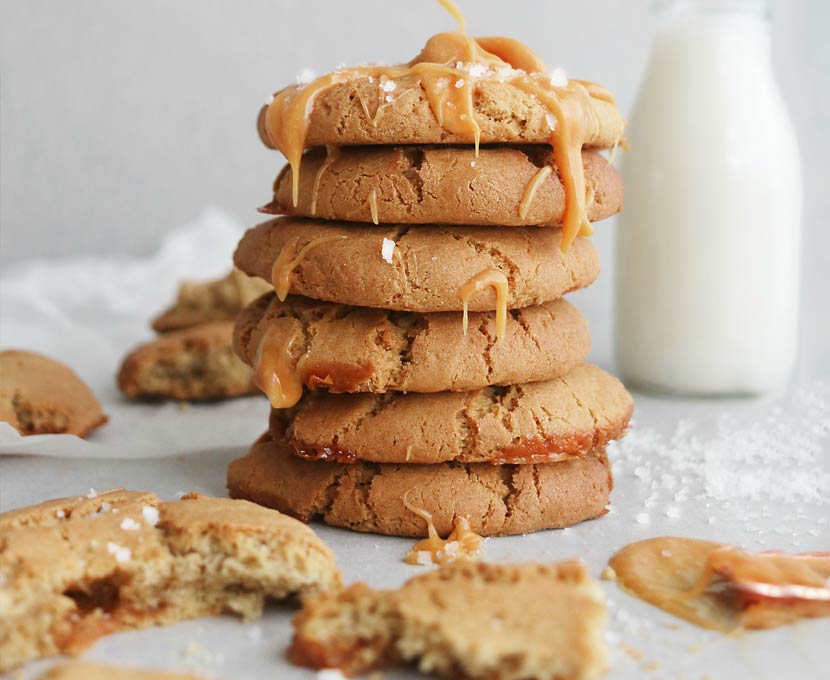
x=498 y=281
x=462 y=544
x=724 y=588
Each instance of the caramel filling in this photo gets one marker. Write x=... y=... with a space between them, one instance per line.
x=332 y=154
x=274 y=371
x=448 y=70
x=290 y=258
x=723 y=587
x=532 y=187
x=373 y=205
x=496 y=280
x=462 y=543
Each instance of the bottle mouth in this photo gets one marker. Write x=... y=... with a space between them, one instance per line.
x=758 y=8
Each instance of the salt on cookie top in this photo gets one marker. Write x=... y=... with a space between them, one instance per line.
x=458 y=90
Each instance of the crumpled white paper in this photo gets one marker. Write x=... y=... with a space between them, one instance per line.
x=88 y=312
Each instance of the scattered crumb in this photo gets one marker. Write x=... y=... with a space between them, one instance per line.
x=184 y=406
x=608 y=574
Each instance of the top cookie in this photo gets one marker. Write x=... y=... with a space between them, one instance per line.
x=501 y=186
x=39 y=395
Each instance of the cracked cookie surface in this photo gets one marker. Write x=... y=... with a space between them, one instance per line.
x=39 y=395
x=74 y=569
x=535 y=422
x=476 y=621
x=427 y=266
x=359 y=349
x=442 y=185
x=496 y=499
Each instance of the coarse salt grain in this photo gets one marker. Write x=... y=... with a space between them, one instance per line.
x=388 y=85
x=121 y=553
x=477 y=70
x=643 y=518
x=129 y=524
x=551 y=121
x=559 y=78
x=60 y=514
x=92 y=493
x=387 y=249
x=423 y=557
x=305 y=77
x=150 y=514
x=459 y=83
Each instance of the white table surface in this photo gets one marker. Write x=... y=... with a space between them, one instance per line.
x=666 y=646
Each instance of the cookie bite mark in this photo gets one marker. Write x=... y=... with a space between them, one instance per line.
x=496 y=280
x=289 y=259
x=462 y=544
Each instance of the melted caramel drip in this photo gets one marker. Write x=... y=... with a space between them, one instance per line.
x=457 y=14
x=274 y=371
x=373 y=205
x=722 y=587
x=462 y=543
x=532 y=187
x=288 y=260
x=332 y=154
x=450 y=92
x=498 y=281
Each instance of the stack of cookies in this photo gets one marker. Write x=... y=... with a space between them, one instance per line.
x=420 y=360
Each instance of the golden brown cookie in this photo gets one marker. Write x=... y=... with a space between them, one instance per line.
x=39 y=395
x=359 y=349
x=76 y=569
x=496 y=499
x=503 y=186
x=218 y=300
x=95 y=671
x=193 y=363
x=477 y=621
x=535 y=422
x=417 y=268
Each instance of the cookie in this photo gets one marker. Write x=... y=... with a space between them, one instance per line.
x=39 y=395
x=476 y=621
x=535 y=422
x=218 y=300
x=503 y=186
x=96 y=671
x=194 y=363
x=496 y=499
x=417 y=268
x=359 y=349
x=73 y=570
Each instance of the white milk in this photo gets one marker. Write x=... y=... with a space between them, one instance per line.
x=709 y=238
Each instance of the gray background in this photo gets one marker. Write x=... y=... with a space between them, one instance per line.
x=120 y=119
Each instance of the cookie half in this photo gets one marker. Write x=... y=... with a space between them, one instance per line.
x=39 y=395
x=75 y=569
x=502 y=186
x=496 y=499
x=360 y=349
x=421 y=268
x=194 y=363
x=535 y=422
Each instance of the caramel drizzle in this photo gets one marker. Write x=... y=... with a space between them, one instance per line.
x=450 y=92
x=500 y=284
x=373 y=205
x=457 y=14
x=289 y=258
x=462 y=543
x=532 y=187
x=332 y=154
x=274 y=372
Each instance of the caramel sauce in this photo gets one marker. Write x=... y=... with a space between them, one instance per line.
x=722 y=587
x=498 y=281
x=290 y=257
x=335 y=376
x=325 y=454
x=462 y=543
x=457 y=14
x=274 y=371
x=538 y=449
x=332 y=154
x=442 y=69
x=532 y=187
x=373 y=205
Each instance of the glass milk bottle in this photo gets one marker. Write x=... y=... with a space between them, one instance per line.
x=709 y=238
